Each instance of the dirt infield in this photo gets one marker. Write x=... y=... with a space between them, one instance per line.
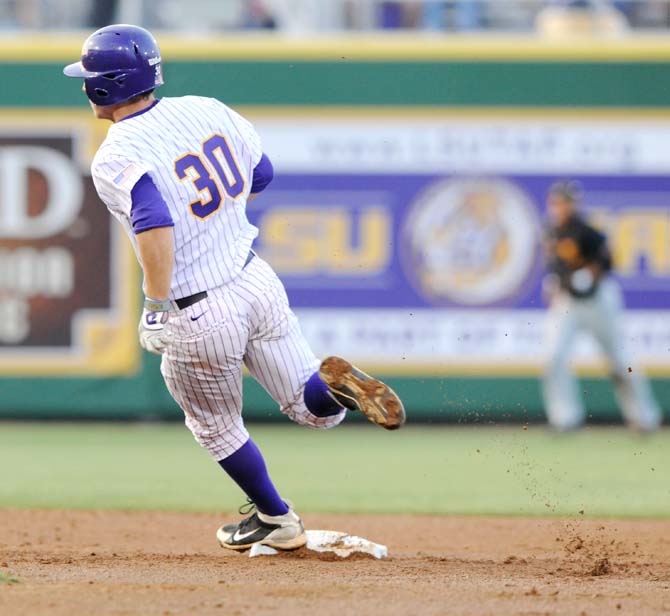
x=167 y=564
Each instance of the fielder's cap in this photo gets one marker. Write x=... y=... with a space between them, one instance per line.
x=571 y=190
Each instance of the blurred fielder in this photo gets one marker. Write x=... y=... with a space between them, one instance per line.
x=584 y=297
x=177 y=173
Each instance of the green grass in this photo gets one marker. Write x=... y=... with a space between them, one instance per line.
x=8 y=578
x=359 y=468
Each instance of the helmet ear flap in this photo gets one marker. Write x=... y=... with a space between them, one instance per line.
x=101 y=93
x=98 y=95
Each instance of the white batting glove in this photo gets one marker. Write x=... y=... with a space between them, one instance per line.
x=153 y=335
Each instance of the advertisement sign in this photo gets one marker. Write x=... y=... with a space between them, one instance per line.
x=437 y=267
x=67 y=281
x=408 y=241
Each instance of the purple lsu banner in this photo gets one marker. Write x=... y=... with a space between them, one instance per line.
x=442 y=273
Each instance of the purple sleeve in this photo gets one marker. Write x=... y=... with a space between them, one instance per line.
x=149 y=209
x=263 y=174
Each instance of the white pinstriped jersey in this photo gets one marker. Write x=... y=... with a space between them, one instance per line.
x=201 y=156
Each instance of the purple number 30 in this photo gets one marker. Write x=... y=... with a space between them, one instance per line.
x=211 y=181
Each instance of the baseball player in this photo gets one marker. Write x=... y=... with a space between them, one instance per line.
x=584 y=297
x=177 y=174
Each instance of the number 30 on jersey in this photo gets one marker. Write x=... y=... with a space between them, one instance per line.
x=214 y=173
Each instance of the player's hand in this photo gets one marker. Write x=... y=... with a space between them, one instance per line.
x=153 y=335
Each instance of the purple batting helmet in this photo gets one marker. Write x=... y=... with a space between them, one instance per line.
x=117 y=63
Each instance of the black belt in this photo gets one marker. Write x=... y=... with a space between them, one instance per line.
x=189 y=300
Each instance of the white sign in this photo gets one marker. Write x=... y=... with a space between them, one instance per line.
x=443 y=341
x=410 y=143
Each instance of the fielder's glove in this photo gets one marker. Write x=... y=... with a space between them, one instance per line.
x=153 y=335
x=583 y=283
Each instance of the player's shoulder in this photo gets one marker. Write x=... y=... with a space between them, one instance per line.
x=205 y=106
x=583 y=225
x=101 y=158
x=192 y=101
x=109 y=160
x=108 y=150
x=115 y=142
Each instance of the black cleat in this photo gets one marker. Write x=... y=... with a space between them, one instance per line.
x=283 y=532
x=355 y=390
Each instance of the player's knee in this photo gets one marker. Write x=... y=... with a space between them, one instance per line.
x=300 y=414
x=219 y=440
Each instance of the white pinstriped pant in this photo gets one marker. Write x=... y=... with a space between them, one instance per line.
x=247 y=321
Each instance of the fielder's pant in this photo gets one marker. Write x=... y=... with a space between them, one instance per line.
x=248 y=321
x=599 y=316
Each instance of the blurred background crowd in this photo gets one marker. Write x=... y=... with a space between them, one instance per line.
x=304 y=16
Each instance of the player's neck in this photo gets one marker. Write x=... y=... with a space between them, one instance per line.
x=123 y=111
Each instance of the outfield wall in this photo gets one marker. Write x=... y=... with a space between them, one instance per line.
x=404 y=218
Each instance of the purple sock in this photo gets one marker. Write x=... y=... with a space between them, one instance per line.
x=317 y=398
x=247 y=469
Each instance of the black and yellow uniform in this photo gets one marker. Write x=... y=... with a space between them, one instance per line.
x=573 y=246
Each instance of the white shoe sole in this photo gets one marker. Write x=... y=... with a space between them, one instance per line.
x=283 y=544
